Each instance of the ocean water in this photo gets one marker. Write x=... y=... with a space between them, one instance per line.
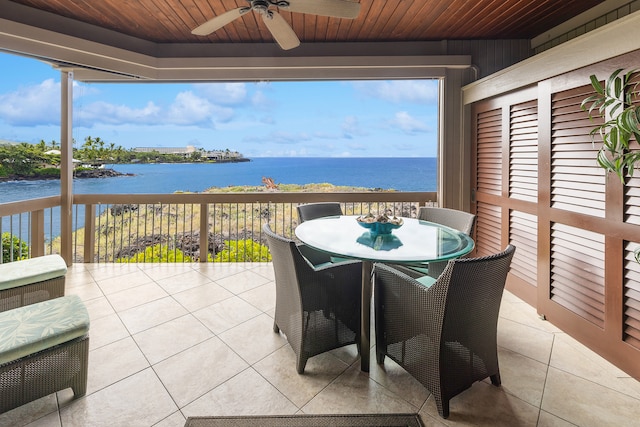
x=402 y=174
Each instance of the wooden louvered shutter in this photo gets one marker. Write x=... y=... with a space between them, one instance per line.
x=523 y=234
x=488 y=181
x=577 y=271
x=577 y=182
x=523 y=152
x=631 y=297
x=489 y=152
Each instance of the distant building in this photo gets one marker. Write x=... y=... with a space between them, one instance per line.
x=167 y=150
x=216 y=155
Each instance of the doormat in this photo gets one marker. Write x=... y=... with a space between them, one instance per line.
x=304 y=420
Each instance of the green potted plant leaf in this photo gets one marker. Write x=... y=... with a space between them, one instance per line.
x=614 y=102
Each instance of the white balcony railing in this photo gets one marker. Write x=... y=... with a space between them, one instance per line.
x=175 y=227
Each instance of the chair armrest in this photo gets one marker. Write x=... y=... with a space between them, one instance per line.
x=396 y=291
x=314 y=256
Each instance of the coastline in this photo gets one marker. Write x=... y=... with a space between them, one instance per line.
x=87 y=173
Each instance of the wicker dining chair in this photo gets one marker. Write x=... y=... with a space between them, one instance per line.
x=317 y=304
x=444 y=335
x=318 y=210
x=452 y=218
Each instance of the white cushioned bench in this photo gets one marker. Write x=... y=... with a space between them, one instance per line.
x=31 y=280
x=44 y=348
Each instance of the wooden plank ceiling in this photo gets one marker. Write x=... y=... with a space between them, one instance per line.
x=171 y=21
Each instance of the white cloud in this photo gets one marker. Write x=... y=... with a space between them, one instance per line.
x=105 y=113
x=408 y=124
x=223 y=93
x=397 y=91
x=351 y=127
x=32 y=105
x=187 y=109
x=283 y=137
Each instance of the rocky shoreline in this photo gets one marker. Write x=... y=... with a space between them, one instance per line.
x=84 y=173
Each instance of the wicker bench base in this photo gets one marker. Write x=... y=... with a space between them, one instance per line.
x=48 y=371
x=32 y=280
x=32 y=293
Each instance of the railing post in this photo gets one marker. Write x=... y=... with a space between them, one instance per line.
x=204 y=231
x=66 y=167
x=89 y=232
x=37 y=233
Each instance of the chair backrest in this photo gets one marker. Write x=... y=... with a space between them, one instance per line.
x=288 y=295
x=282 y=251
x=456 y=219
x=318 y=210
x=474 y=288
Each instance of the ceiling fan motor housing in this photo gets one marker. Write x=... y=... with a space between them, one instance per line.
x=262 y=6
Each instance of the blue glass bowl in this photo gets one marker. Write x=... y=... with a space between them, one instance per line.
x=376 y=228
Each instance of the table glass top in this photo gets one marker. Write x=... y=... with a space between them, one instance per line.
x=416 y=241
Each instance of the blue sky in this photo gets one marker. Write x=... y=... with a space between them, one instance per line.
x=273 y=119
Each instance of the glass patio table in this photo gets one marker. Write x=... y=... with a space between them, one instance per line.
x=415 y=242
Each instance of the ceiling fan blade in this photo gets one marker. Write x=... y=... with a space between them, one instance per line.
x=219 y=21
x=281 y=30
x=335 y=8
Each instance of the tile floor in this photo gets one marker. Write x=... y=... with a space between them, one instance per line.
x=172 y=341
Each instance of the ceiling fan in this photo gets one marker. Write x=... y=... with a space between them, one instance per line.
x=276 y=24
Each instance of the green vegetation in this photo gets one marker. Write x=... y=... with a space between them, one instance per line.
x=616 y=106
x=157 y=253
x=25 y=160
x=243 y=251
x=13 y=249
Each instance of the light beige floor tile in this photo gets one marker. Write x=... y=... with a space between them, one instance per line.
x=242 y=282
x=397 y=380
x=112 y=285
x=199 y=369
x=159 y=271
x=75 y=278
x=592 y=397
x=429 y=421
x=521 y=312
x=226 y=314
x=139 y=400
x=85 y=292
x=571 y=356
x=521 y=376
x=99 y=307
x=110 y=271
x=217 y=270
x=174 y=420
x=146 y=316
x=349 y=354
x=171 y=337
x=487 y=406
x=355 y=392
x=263 y=297
x=30 y=412
x=279 y=368
x=182 y=282
x=106 y=330
x=254 y=339
x=586 y=403
x=264 y=269
x=526 y=340
x=549 y=420
x=51 y=420
x=245 y=394
x=114 y=362
x=202 y=296
x=134 y=297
